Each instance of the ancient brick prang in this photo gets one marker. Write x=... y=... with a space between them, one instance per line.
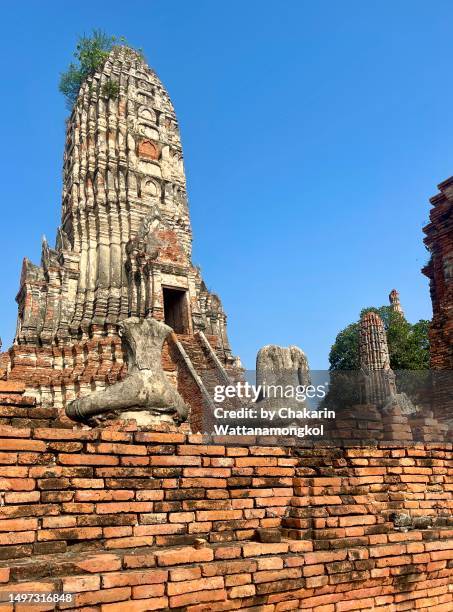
x=123 y=248
x=439 y=241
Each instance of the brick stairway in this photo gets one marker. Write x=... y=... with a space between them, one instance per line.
x=212 y=375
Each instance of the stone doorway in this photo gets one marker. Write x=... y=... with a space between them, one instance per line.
x=176 y=311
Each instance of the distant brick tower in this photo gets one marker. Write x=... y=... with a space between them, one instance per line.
x=123 y=248
x=394 y=299
x=439 y=270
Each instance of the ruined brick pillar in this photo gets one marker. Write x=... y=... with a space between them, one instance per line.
x=379 y=378
x=439 y=270
x=375 y=360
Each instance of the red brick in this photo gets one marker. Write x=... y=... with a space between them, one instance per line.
x=51 y=522
x=185 y=573
x=87 y=483
x=12 y=386
x=255 y=549
x=17 y=537
x=228 y=552
x=197 y=597
x=189 y=586
x=17 y=484
x=159 y=529
x=207 y=483
x=392 y=561
x=325 y=556
x=8 y=458
x=77 y=584
x=173 y=460
x=116 y=436
x=73 y=508
x=148 y=590
x=116 y=507
x=131 y=542
x=102 y=596
x=117 y=449
x=270 y=563
x=79 y=533
x=301 y=546
x=4 y=574
x=24 y=524
x=200 y=450
x=87 y=459
x=275 y=575
x=134 y=460
x=140 y=560
x=41 y=586
x=385 y=551
x=160 y=438
x=133 y=578
x=25 y=445
x=222 y=515
x=117 y=531
x=246 y=590
x=97 y=495
x=181 y=517
x=441 y=555
x=14 y=432
x=361 y=604
x=206 y=472
x=139 y=605
x=238 y=579
x=184 y=555
x=65 y=434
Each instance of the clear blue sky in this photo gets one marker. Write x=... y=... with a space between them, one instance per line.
x=313 y=134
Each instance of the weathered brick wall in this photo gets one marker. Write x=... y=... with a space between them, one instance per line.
x=129 y=489
x=104 y=514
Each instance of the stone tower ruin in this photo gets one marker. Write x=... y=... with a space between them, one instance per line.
x=123 y=249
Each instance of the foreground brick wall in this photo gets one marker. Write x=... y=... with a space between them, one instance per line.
x=410 y=575
x=127 y=489
x=113 y=516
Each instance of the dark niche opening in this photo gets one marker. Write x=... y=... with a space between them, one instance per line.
x=176 y=310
